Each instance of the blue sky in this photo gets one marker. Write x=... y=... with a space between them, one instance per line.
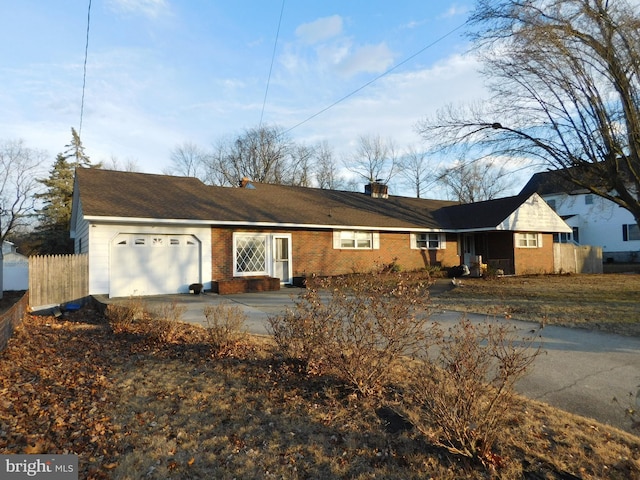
x=164 y=72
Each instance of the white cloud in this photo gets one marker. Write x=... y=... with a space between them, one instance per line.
x=393 y=105
x=368 y=58
x=148 y=8
x=455 y=10
x=320 y=30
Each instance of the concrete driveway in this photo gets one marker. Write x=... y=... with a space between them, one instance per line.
x=579 y=371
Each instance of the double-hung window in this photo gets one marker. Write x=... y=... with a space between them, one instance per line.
x=528 y=240
x=428 y=241
x=355 y=239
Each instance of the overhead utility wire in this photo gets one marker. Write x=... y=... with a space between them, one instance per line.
x=273 y=56
x=84 y=73
x=375 y=79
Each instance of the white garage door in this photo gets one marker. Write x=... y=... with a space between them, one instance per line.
x=150 y=264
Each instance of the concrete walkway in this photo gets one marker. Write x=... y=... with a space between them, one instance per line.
x=579 y=371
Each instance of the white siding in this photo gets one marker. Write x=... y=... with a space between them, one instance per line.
x=599 y=223
x=15 y=271
x=81 y=242
x=534 y=215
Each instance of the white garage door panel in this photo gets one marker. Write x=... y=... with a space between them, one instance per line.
x=145 y=264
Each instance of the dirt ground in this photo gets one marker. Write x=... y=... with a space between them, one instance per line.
x=8 y=299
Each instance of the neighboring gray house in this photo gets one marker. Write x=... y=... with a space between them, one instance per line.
x=593 y=219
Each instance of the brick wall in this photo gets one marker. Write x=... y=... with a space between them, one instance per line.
x=313 y=253
x=535 y=260
x=221 y=253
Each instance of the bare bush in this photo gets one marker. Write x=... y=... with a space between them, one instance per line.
x=461 y=394
x=358 y=326
x=122 y=317
x=223 y=324
x=165 y=321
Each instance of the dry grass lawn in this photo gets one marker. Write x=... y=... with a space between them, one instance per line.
x=133 y=407
x=609 y=302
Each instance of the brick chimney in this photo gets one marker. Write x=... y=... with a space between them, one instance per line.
x=377 y=189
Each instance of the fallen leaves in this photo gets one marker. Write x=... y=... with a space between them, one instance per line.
x=53 y=390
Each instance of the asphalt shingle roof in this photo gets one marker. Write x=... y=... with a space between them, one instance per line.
x=547 y=183
x=106 y=193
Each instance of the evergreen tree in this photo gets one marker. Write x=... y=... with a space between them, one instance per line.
x=75 y=152
x=55 y=215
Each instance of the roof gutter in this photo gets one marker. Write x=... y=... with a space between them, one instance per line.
x=210 y=223
x=213 y=223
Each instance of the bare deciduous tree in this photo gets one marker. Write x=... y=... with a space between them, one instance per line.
x=299 y=172
x=566 y=81
x=19 y=166
x=128 y=165
x=327 y=176
x=375 y=159
x=260 y=154
x=415 y=170
x=470 y=182
x=188 y=159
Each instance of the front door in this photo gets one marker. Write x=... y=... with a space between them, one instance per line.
x=282 y=258
x=468 y=249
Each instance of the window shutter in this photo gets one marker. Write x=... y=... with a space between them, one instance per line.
x=376 y=240
x=336 y=240
x=625 y=233
x=539 y=240
x=443 y=241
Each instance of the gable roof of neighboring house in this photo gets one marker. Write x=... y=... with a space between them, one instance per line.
x=548 y=183
x=559 y=181
x=111 y=195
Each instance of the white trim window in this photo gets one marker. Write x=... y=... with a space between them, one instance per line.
x=250 y=254
x=428 y=241
x=356 y=240
x=528 y=240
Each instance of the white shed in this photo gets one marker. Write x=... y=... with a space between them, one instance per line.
x=15 y=268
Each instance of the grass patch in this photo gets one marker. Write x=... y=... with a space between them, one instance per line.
x=132 y=407
x=601 y=302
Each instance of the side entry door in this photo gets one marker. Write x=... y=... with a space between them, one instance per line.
x=282 y=258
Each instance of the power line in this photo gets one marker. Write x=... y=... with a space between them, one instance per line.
x=375 y=79
x=273 y=56
x=84 y=73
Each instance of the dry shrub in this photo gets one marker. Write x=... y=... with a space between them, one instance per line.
x=359 y=326
x=122 y=317
x=461 y=394
x=223 y=324
x=164 y=322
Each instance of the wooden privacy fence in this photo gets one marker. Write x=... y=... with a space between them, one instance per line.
x=569 y=258
x=58 y=279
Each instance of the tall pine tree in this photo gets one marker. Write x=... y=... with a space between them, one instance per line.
x=55 y=215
